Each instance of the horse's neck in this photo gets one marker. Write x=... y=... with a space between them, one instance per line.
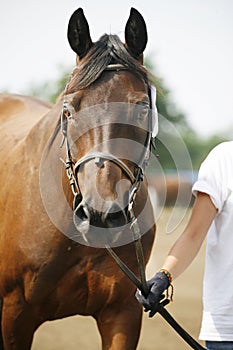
x=41 y=132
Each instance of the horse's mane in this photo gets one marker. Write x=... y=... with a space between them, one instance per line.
x=107 y=50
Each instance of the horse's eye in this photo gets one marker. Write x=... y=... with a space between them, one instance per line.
x=68 y=110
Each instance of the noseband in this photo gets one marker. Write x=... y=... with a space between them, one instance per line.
x=72 y=168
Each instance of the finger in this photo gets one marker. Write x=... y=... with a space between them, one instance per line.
x=153 y=312
x=139 y=296
x=143 y=302
x=146 y=308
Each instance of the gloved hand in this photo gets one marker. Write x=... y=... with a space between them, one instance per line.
x=157 y=285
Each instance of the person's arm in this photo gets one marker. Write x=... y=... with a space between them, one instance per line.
x=182 y=253
x=188 y=244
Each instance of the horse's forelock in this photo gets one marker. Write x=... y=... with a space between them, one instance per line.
x=107 y=50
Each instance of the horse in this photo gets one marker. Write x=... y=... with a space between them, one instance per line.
x=67 y=177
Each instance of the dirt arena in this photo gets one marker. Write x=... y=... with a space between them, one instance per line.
x=81 y=333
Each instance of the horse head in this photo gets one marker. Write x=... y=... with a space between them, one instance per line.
x=107 y=124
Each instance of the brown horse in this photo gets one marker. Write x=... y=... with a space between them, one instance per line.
x=53 y=261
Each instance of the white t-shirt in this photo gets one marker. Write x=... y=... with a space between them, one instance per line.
x=216 y=179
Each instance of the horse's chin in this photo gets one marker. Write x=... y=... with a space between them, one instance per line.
x=101 y=240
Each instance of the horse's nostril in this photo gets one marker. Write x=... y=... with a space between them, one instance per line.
x=82 y=212
x=115 y=217
x=115 y=220
x=81 y=219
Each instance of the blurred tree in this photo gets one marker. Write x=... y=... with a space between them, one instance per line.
x=197 y=147
x=166 y=107
x=49 y=91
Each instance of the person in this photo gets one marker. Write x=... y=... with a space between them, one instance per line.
x=212 y=215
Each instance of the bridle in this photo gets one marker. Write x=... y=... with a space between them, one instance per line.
x=72 y=167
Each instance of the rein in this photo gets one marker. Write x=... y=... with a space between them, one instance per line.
x=72 y=169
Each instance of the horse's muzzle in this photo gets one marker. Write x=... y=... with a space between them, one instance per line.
x=113 y=217
x=88 y=220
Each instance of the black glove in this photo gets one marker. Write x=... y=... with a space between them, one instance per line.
x=157 y=285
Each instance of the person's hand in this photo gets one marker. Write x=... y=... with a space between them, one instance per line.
x=157 y=285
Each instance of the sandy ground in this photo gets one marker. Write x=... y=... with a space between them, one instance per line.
x=81 y=333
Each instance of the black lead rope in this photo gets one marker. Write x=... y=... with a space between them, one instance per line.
x=161 y=310
x=180 y=330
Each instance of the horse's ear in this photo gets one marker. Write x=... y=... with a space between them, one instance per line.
x=79 y=34
x=135 y=33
